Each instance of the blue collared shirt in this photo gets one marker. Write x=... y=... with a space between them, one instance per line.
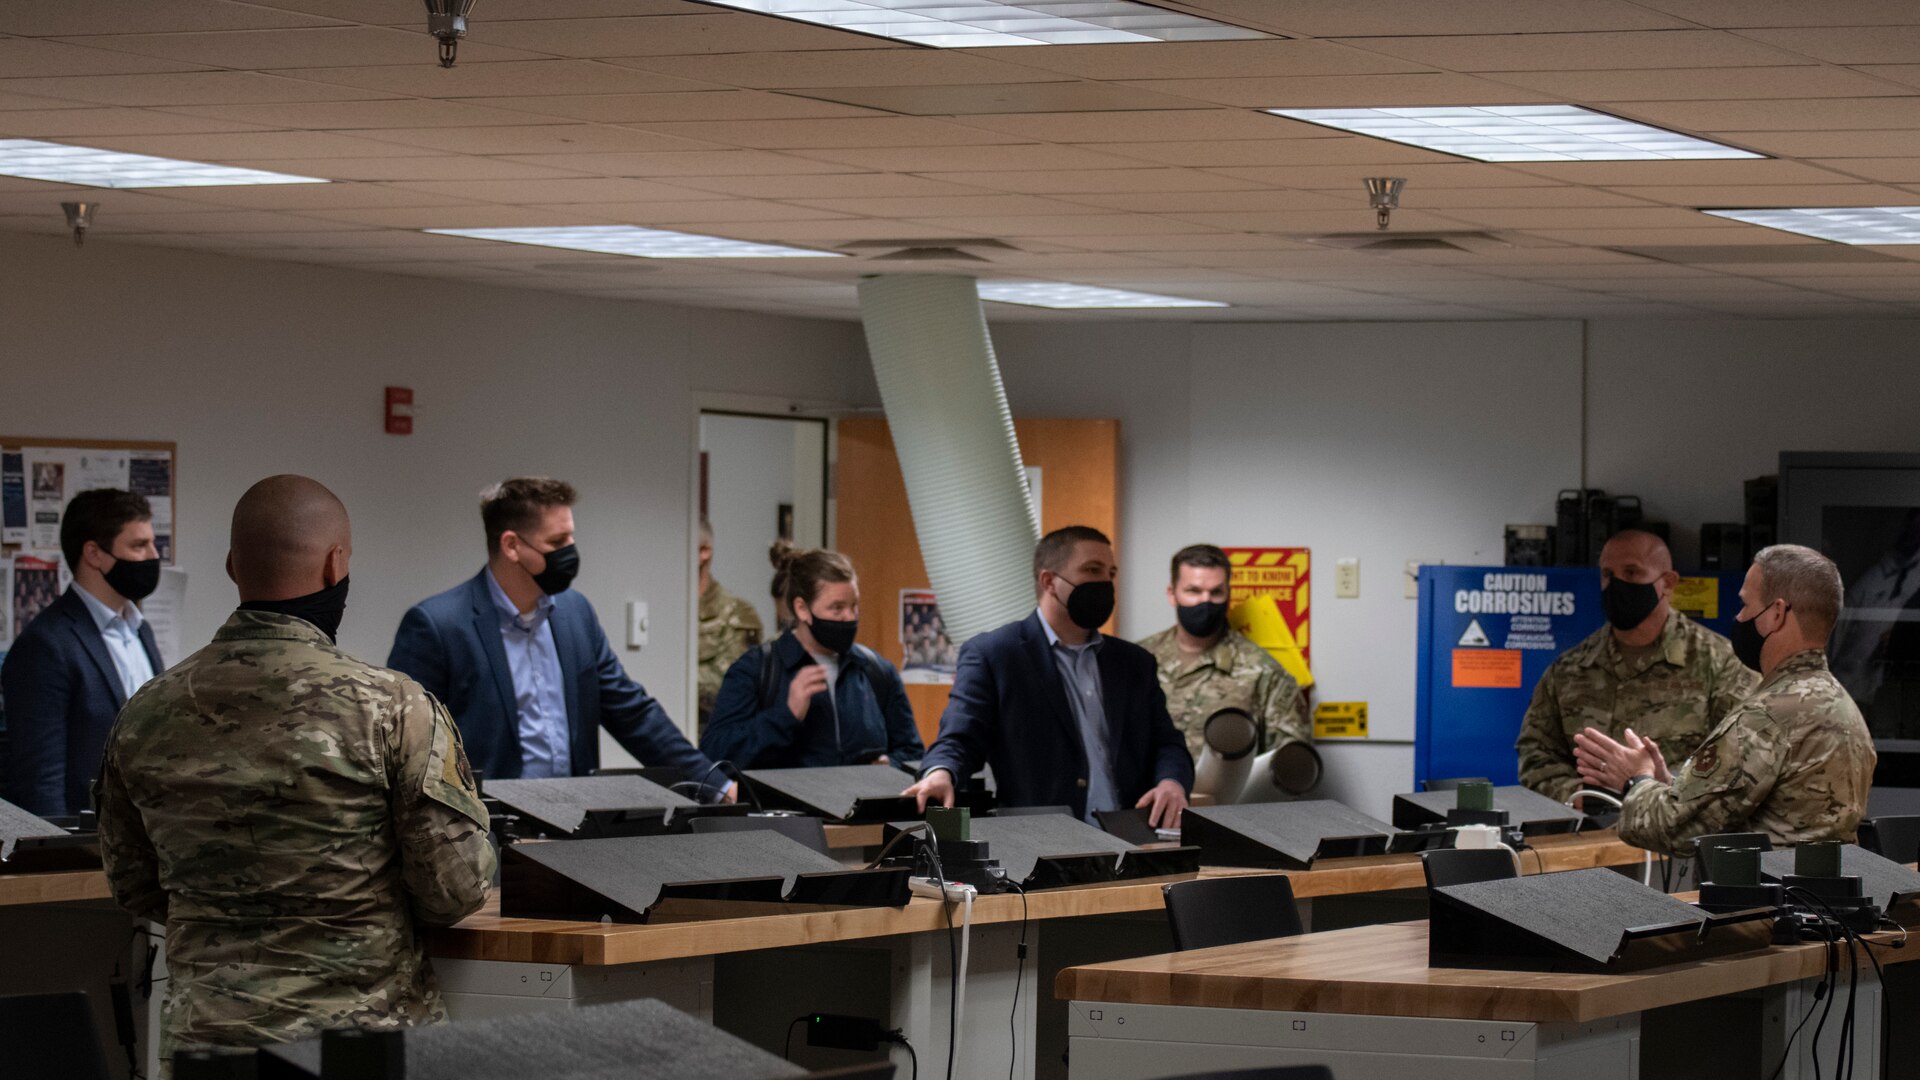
x=539 y=693
x=121 y=629
x=1079 y=667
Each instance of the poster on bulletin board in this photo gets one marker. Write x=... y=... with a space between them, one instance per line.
x=1271 y=603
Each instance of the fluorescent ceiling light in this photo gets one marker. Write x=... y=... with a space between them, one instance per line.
x=1841 y=224
x=974 y=24
x=1053 y=294
x=1520 y=133
x=636 y=241
x=65 y=164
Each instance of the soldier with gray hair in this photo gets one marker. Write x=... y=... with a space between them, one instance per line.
x=1794 y=761
x=290 y=813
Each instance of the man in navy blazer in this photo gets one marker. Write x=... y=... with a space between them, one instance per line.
x=520 y=659
x=1066 y=716
x=80 y=659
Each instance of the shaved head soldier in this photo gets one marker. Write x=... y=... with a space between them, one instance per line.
x=291 y=813
x=1650 y=668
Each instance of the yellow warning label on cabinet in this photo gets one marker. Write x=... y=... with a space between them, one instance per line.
x=1340 y=720
x=1698 y=597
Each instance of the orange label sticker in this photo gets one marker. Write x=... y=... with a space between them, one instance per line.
x=1486 y=669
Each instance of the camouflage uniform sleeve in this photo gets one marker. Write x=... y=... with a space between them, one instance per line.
x=133 y=869
x=1716 y=791
x=446 y=860
x=1282 y=710
x=1546 y=757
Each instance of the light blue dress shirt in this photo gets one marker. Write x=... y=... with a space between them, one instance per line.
x=121 y=629
x=539 y=694
x=1079 y=667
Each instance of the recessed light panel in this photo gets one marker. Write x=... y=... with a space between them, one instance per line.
x=1841 y=224
x=1053 y=294
x=974 y=24
x=63 y=164
x=636 y=241
x=1521 y=133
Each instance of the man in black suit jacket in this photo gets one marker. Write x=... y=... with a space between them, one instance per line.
x=1066 y=716
x=73 y=667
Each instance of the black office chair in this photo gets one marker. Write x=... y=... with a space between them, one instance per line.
x=1452 y=783
x=1031 y=811
x=52 y=1035
x=1895 y=837
x=807 y=830
x=1463 y=866
x=1705 y=846
x=1227 y=911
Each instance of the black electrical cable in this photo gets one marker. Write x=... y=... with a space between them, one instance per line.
x=932 y=849
x=786 y=1052
x=1019 y=973
x=913 y=1059
x=887 y=848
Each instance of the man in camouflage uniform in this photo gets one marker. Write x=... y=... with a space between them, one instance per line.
x=1651 y=668
x=290 y=813
x=1794 y=761
x=728 y=627
x=1205 y=665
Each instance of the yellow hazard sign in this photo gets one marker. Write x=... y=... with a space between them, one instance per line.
x=1698 y=597
x=1340 y=720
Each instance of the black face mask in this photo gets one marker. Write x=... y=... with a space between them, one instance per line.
x=1202 y=620
x=835 y=635
x=1090 y=604
x=1627 y=604
x=134 y=580
x=323 y=609
x=563 y=565
x=1748 y=640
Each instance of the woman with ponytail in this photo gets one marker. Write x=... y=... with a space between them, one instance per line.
x=812 y=696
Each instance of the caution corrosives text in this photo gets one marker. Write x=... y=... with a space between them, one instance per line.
x=1506 y=593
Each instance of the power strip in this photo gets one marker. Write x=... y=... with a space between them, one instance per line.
x=953 y=890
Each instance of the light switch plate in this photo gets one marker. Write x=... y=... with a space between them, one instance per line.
x=636 y=624
x=1346 y=579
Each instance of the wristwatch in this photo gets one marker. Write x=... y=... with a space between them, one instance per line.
x=1631 y=781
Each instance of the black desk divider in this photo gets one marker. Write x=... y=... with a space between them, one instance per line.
x=1887 y=883
x=626 y=1039
x=695 y=876
x=589 y=807
x=1591 y=921
x=1533 y=813
x=30 y=844
x=1049 y=851
x=849 y=794
x=1281 y=835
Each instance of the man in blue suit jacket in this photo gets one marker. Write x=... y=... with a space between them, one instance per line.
x=520 y=659
x=80 y=659
x=1065 y=716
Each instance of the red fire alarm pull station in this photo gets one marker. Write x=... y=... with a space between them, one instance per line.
x=399 y=410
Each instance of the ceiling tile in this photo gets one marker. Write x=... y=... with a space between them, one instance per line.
x=78 y=124
x=464 y=216
x=1589 y=217
x=1209 y=59
x=1632 y=238
x=10 y=101
x=513 y=78
x=1616 y=173
x=677 y=107
x=1011 y=97
x=259 y=145
x=687 y=163
x=873 y=67
x=692 y=212
x=535 y=139
x=1699 y=84
x=1710 y=195
x=1343 y=18
x=220 y=221
x=1315 y=222
x=440 y=167
x=1907 y=75
x=859 y=131
x=50 y=18
x=1774 y=114
x=1349 y=91
x=189 y=88
x=346 y=115
x=1172 y=202
x=973 y=158
x=1143 y=126
x=1592 y=52
x=1829 y=144
x=836 y=186
x=1333 y=150
x=340 y=196
x=1453 y=173
x=1445 y=198
x=24 y=57
x=1899 y=170
x=329 y=46
x=1848 y=44
x=1018 y=225
x=676 y=35
x=949 y=206
x=1072 y=181
x=585 y=189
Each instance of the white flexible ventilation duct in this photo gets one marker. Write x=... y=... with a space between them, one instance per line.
x=954 y=437
x=1226 y=761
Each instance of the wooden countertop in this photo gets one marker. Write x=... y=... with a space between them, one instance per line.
x=53 y=887
x=488 y=936
x=1382 y=971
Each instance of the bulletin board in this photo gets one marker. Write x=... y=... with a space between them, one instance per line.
x=1078 y=463
x=37 y=478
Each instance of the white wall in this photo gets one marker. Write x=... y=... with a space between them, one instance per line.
x=1397 y=441
x=259 y=367
x=753 y=466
